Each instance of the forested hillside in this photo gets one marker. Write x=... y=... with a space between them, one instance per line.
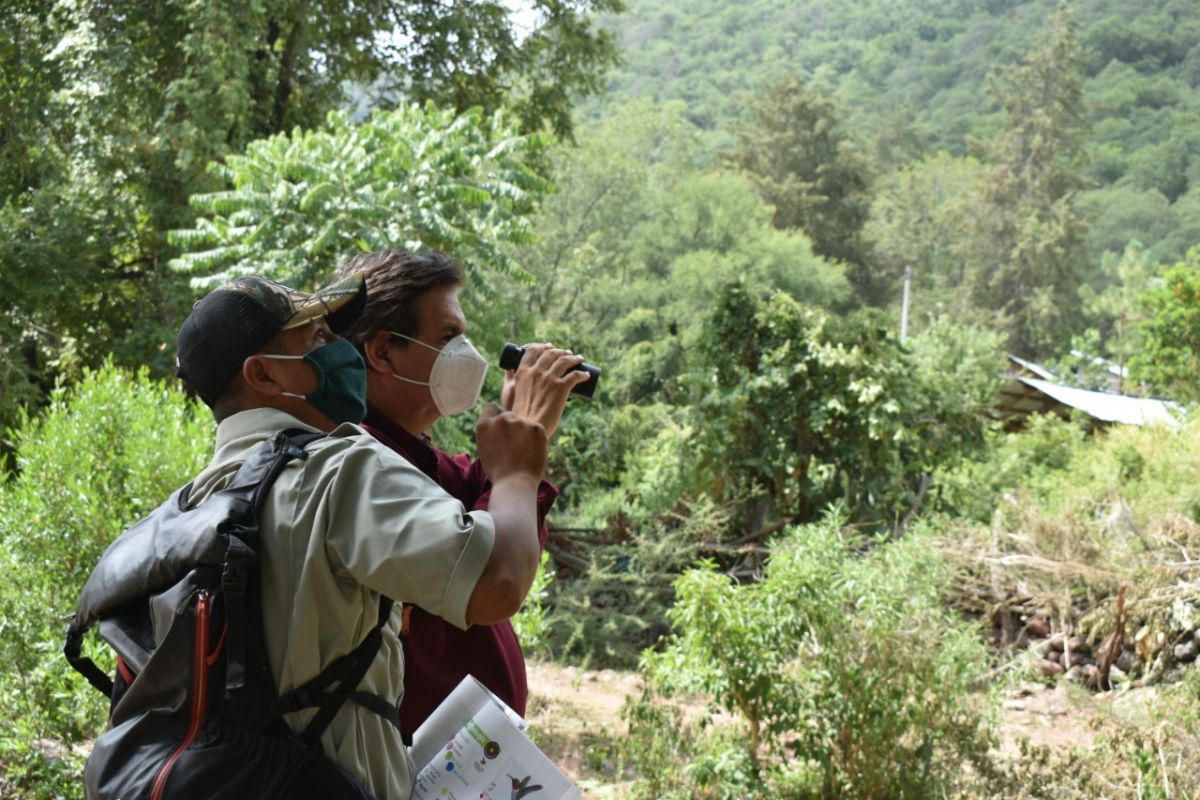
x=912 y=77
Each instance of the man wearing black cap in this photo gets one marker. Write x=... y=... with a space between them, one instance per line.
x=353 y=520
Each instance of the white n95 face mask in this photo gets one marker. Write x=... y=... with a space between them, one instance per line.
x=457 y=375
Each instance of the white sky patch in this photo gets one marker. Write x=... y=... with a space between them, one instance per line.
x=524 y=15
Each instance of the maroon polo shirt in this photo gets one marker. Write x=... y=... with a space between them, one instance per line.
x=438 y=655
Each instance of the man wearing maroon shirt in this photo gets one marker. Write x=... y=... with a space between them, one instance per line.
x=420 y=367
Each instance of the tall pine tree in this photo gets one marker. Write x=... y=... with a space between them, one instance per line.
x=1031 y=235
x=806 y=166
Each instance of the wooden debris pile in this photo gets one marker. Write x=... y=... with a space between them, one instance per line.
x=1093 y=602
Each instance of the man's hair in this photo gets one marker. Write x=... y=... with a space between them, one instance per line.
x=396 y=280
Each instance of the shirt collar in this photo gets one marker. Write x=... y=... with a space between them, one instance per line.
x=417 y=449
x=245 y=429
x=237 y=436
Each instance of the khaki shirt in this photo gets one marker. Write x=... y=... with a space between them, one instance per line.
x=352 y=521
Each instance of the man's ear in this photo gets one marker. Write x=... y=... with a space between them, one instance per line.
x=375 y=350
x=259 y=375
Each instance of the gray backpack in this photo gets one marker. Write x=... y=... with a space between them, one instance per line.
x=194 y=709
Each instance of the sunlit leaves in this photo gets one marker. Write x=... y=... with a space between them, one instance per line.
x=413 y=177
x=804 y=409
x=1169 y=358
x=842 y=662
x=102 y=455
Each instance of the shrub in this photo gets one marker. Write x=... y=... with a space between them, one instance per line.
x=530 y=623
x=647 y=530
x=846 y=671
x=797 y=409
x=105 y=453
x=1028 y=458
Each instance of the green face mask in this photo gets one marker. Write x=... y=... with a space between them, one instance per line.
x=341 y=394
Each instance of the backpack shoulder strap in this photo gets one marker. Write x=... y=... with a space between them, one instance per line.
x=348 y=671
x=291 y=445
x=238 y=576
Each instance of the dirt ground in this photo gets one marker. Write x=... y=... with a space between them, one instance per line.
x=1066 y=717
x=572 y=712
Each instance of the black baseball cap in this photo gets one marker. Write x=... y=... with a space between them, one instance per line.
x=234 y=321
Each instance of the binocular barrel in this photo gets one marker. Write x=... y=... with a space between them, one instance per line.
x=511 y=356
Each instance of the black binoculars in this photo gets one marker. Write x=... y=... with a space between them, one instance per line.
x=511 y=356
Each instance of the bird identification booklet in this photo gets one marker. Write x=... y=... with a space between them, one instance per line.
x=474 y=747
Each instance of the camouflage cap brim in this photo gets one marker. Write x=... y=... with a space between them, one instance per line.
x=339 y=303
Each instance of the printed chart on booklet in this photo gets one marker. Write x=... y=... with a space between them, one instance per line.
x=484 y=754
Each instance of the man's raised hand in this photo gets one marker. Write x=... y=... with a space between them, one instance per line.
x=509 y=444
x=538 y=388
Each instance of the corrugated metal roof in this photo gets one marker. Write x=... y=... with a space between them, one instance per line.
x=1036 y=369
x=1110 y=407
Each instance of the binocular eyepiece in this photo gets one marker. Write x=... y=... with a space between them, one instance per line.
x=511 y=356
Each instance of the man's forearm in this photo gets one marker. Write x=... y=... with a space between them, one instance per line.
x=510 y=570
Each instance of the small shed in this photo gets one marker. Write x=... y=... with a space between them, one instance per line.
x=1032 y=389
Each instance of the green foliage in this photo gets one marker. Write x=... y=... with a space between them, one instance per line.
x=1067 y=520
x=921 y=217
x=1114 y=305
x=912 y=78
x=905 y=56
x=530 y=623
x=1125 y=212
x=640 y=235
x=1076 y=519
x=411 y=177
x=974 y=487
x=850 y=678
x=961 y=365
x=68 y=231
x=649 y=522
x=803 y=410
x=1169 y=359
x=796 y=410
x=1030 y=234
x=911 y=75
x=1153 y=468
x=1184 y=230
x=807 y=167
x=113 y=110
x=482 y=53
x=603 y=188
x=104 y=454
x=785 y=388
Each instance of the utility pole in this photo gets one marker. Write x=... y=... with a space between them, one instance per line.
x=904 y=303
